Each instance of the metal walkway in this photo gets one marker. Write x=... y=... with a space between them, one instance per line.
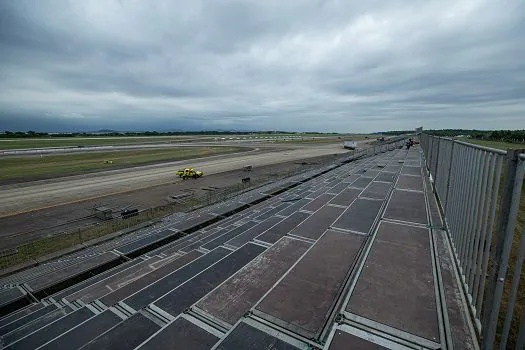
x=353 y=257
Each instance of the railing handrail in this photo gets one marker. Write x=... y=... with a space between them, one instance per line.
x=475 y=185
x=473 y=145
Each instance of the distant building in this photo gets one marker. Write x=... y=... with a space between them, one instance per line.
x=420 y=129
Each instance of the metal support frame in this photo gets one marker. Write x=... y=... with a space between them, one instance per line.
x=502 y=245
x=467 y=183
x=447 y=193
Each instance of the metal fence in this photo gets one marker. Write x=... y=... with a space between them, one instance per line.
x=480 y=190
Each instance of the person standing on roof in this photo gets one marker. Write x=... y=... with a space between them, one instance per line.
x=409 y=143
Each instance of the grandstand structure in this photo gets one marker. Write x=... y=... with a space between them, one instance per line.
x=350 y=256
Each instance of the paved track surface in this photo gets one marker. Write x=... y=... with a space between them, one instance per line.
x=41 y=194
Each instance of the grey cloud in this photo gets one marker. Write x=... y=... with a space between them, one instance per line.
x=295 y=65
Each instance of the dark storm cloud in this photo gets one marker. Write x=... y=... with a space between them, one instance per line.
x=296 y=65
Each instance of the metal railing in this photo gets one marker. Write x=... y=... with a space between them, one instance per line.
x=480 y=190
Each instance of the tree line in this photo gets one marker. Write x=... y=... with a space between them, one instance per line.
x=511 y=136
x=32 y=134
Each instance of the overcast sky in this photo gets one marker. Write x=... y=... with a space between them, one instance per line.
x=345 y=66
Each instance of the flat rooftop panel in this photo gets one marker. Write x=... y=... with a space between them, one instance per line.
x=51 y=331
x=182 y=297
x=385 y=176
x=181 y=334
x=228 y=207
x=237 y=295
x=295 y=206
x=377 y=190
x=194 y=221
x=84 y=333
x=407 y=206
x=331 y=181
x=413 y=162
x=173 y=280
x=410 y=183
x=48 y=280
x=7 y=296
x=362 y=182
x=126 y=335
x=351 y=178
x=318 y=202
x=273 y=190
x=396 y=286
x=411 y=170
x=322 y=189
x=114 y=282
x=244 y=336
x=359 y=216
x=185 y=241
x=303 y=300
x=127 y=290
x=224 y=222
x=76 y=288
x=392 y=168
x=267 y=204
x=272 y=211
x=146 y=241
x=338 y=188
x=346 y=197
x=20 y=314
x=229 y=235
x=253 y=232
x=38 y=323
x=344 y=341
x=203 y=240
x=370 y=173
x=9 y=327
x=276 y=232
x=318 y=223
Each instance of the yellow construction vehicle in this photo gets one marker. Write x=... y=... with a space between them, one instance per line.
x=189 y=173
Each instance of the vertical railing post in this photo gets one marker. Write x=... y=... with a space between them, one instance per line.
x=437 y=162
x=449 y=176
x=429 y=153
x=507 y=219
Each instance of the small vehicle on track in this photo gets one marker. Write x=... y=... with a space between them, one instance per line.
x=189 y=173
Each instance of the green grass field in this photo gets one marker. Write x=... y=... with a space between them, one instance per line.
x=6 y=144
x=25 y=168
x=494 y=144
